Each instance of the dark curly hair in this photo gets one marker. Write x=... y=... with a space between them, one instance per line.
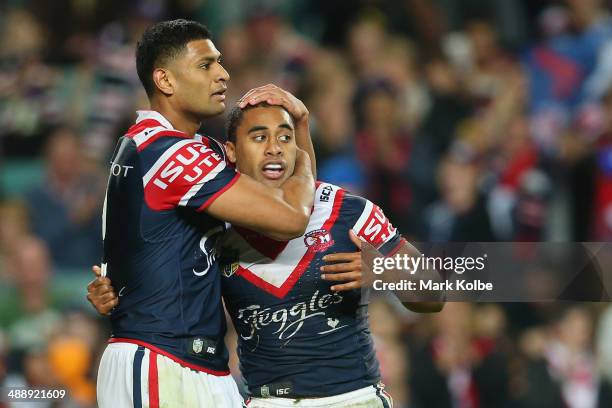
x=162 y=42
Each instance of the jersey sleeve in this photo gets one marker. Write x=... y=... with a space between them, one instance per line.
x=185 y=173
x=369 y=222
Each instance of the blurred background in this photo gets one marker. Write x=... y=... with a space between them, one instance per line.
x=465 y=120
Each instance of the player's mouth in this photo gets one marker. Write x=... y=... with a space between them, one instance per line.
x=274 y=170
x=220 y=94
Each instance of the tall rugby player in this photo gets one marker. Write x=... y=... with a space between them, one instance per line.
x=170 y=192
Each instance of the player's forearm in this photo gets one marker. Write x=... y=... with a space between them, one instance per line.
x=304 y=142
x=281 y=213
x=425 y=303
x=416 y=301
x=298 y=192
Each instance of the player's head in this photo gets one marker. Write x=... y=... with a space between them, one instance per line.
x=261 y=142
x=178 y=63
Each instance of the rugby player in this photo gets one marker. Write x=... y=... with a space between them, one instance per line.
x=303 y=338
x=169 y=194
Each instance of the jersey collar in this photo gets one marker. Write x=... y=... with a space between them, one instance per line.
x=154 y=115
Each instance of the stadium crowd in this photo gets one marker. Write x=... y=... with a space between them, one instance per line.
x=465 y=120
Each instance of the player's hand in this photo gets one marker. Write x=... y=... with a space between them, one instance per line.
x=275 y=95
x=101 y=293
x=345 y=267
x=302 y=164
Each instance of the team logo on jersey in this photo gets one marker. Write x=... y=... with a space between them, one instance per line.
x=229 y=261
x=198 y=344
x=230 y=269
x=207 y=255
x=318 y=240
x=287 y=322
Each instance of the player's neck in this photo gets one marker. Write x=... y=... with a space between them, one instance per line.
x=179 y=120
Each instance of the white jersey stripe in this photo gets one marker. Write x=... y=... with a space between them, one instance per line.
x=365 y=214
x=196 y=187
x=146 y=134
x=278 y=271
x=149 y=114
x=163 y=158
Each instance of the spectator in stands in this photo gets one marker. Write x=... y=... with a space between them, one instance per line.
x=330 y=86
x=384 y=148
x=571 y=361
x=26 y=311
x=14 y=225
x=461 y=214
x=65 y=210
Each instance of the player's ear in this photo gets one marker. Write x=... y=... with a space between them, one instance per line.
x=230 y=149
x=163 y=80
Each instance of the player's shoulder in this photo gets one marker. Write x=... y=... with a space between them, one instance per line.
x=348 y=204
x=213 y=144
x=328 y=195
x=360 y=214
x=154 y=135
x=152 y=132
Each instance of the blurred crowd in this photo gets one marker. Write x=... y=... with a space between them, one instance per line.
x=465 y=120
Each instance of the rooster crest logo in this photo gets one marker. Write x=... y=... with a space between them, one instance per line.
x=318 y=240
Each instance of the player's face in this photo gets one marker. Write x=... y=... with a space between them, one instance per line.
x=265 y=146
x=200 y=80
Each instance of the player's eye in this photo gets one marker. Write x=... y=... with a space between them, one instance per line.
x=205 y=66
x=259 y=138
x=284 y=138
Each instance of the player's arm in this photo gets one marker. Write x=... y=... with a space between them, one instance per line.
x=418 y=306
x=345 y=270
x=378 y=238
x=280 y=213
x=193 y=174
x=273 y=95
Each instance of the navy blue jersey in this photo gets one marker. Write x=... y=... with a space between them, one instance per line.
x=159 y=245
x=296 y=337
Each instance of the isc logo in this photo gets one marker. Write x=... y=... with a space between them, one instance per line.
x=325 y=193
x=194 y=161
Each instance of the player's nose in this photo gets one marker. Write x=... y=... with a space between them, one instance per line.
x=273 y=148
x=223 y=75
